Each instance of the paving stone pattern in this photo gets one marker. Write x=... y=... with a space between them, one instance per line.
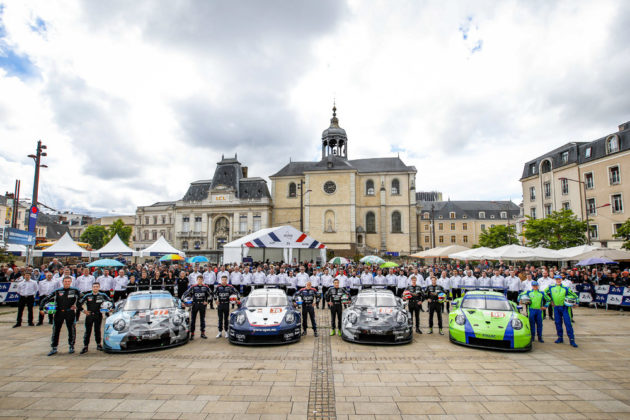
x=428 y=379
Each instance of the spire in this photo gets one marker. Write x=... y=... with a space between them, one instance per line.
x=334 y=122
x=334 y=139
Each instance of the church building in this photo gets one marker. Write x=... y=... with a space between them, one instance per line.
x=354 y=206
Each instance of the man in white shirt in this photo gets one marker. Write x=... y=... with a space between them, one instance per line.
x=497 y=282
x=380 y=282
x=291 y=283
x=402 y=282
x=272 y=278
x=302 y=278
x=246 y=281
x=84 y=282
x=344 y=283
x=236 y=280
x=26 y=289
x=513 y=284
x=469 y=282
x=367 y=279
x=456 y=279
x=355 y=283
x=391 y=279
x=45 y=288
x=259 y=278
x=192 y=277
x=107 y=283
x=120 y=286
x=484 y=281
x=326 y=282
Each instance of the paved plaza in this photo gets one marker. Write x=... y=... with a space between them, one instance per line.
x=322 y=378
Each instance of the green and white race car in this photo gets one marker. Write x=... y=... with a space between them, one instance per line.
x=488 y=320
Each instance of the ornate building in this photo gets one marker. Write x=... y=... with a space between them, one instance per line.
x=212 y=212
x=353 y=206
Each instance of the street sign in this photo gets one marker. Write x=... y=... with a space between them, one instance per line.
x=20 y=237
x=32 y=218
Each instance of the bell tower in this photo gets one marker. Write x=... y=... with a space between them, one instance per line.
x=334 y=139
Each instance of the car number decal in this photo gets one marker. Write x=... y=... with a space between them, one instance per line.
x=160 y=312
x=497 y=314
x=385 y=310
x=275 y=310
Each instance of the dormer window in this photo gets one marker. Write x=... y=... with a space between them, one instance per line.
x=612 y=144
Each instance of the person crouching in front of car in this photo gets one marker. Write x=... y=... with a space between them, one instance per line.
x=334 y=297
x=222 y=294
x=91 y=305
x=200 y=294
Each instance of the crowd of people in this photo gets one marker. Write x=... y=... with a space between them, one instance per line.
x=316 y=286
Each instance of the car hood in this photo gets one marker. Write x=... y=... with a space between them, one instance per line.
x=266 y=316
x=376 y=316
x=483 y=317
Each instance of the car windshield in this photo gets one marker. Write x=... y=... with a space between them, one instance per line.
x=263 y=301
x=376 y=300
x=135 y=303
x=494 y=303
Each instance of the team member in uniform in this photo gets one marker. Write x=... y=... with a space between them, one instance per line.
x=535 y=309
x=333 y=297
x=120 y=286
x=355 y=283
x=132 y=286
x=326 y=282
x=291 y=282
x=259 y=278
x=456 y=281
x=402 y=282
x=246 y=281
x=236 y=280
x=45 y=288
x=26 y=289
x=310 y=297
x=200 y=294
x=432 y=293
x=210 y=280
x=144 y=283
x=415 y=302
x=391 y=279
x=302 y=278
x=222 y=294
x=497 y=282
x=91 y=303
x=182 y=284
x=272 y=279
x=445 y=282
x=557 y=295
x=484 y=281
x=107 y=283
x=513 y=284
x=367 y=279
x=67 y=300
x=380 y=282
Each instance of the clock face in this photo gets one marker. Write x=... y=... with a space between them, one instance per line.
x=330 y=187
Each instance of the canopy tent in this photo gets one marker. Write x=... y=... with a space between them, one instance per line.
x=571 y=253
x=17 y=250
x=471 y=254
x=160 y=248
x=509 y=252
x=64 y=247
x=440 y=251
x=275 y=244
x=613 y=254
x=113 y=248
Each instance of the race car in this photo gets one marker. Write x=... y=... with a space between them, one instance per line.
x=266 y=316
x=150 y=319
x=376 y=316
x=488 y=319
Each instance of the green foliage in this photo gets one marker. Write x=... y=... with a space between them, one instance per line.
x=5 y=256
x=623 y=232
x=95 y=235
x=559 y=230
x=498 y=235
x=119 y=228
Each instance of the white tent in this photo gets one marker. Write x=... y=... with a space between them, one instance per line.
x=471 y=254
x=282 y=243
x=613 y=254
x=64 y=247
x=113 y=248
x=160 y=248
x=17 y=250
x=440 y=251
x=571 y=253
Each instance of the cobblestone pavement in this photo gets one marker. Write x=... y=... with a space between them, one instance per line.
x=322 y=377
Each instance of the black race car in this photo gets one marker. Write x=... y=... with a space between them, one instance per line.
x=376 y=317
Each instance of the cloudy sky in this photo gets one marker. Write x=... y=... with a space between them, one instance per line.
x=137 y=99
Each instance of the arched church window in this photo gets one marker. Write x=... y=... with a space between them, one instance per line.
x=329 y=221
x=396 y=222
x=395 y=187
x=370 y=222
x=369 y=187
x=292 y=190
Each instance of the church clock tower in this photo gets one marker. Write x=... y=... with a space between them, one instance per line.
x=334 y=139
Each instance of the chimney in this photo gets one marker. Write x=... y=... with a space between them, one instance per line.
x=244 y=171
x=624 y=126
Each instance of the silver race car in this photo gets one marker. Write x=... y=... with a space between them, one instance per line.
x=151 y=319
x=376 y=316
x=266 y=316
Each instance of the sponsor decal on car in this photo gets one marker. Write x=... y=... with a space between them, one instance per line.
x=497 y=314
x=275 y=310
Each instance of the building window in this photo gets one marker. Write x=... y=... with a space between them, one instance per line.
x=257 y=222
x=440 y=226
x=155 y=220
x=197 y=245
x=370 y=222
x=452 y=226
x=163 y=233
x=591 y=206
x=564 y=186
x=545 y=166
x=146 y=220
x=369 y=187
x=612 y=144
x=185 y=245
x=593 y=231
x=587 y=152
x=163 y=219
x=452 y=239
x=292 y=190
x=464 y=226
x=426 y=239
x=329 y=221
x=464 y=217
x=547 y=210
x=589 y=181
x=492 y=216
x=154 y=235
x=396 y=222
x=483 y=227
x=532 y=212
x=185 y=224
x=564 y=157
x=532 y=193
x=146 y=235
x=426 y=226
x=532 y=168
x=465 y=239
x=425 y=215
x=547 y=187
x=616 y=202
x=614 y=175
x=197 y=223
x=395 y=187
x=503 y=215
x=482 y=214
x=566 y=205
x=441 y=239
x=440 y=217
x=616 y=228
x=242 y=223
x=452 y=215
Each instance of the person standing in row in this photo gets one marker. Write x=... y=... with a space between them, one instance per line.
x=367 y=280
x=45 y=288
x=200 y=294
x=310 y=298
x=537 y=305
x=333 y=297
x=67 y=301
x=91 y=305
x=222 y=294
x=259 y=278
x=558 y=294
x=26 y=290
x=182 y=284
x=415 y=302
x=435 y=306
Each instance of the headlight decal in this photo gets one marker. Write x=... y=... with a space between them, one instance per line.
x=469 y=332
x=119 y=324
x=289 y=318
x=509 y=332
x=240 y=318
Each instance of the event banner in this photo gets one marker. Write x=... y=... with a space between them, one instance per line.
x=610 y=295
x=8 y=292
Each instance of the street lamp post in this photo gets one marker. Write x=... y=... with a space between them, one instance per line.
x=37 y=158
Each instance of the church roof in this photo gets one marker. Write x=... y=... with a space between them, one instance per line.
x=371 y=165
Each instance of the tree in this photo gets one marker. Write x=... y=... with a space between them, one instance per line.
x=623 y=232
x=498 y=235
x=119 y=228
x=561 y=229
x=95 y=235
